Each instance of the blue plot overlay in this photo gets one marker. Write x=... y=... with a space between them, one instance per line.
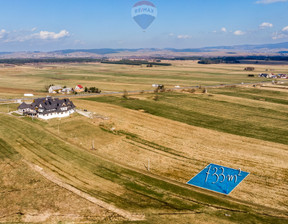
x=218 y=178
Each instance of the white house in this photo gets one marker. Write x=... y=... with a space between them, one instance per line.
x=67 y=90
x=55 y=89
x=47 y=108
x=79 y=89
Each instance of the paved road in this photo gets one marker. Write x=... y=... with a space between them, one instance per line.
x=131 y=92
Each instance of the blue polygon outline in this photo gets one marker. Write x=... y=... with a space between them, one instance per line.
x=215 y=190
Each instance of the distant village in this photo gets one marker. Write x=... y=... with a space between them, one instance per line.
x=67 y=90
x=273 y=76
x=266 y=75
x=49 y=107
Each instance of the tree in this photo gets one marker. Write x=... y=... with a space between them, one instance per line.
x=94 y=90
x=48 y=86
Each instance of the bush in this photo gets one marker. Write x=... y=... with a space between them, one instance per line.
x=125 y=94
x=156 y=98
x=93 y=90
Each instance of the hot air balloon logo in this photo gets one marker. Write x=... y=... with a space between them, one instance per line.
x=144 y=13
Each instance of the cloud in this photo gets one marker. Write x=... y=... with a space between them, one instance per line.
x=223 y=29
x=3 y=33
x=269 y=1
x=239 y=33
x=23 y=35
x=184 y=37
x=265 y=25
x=46 y=35
x=280 y=35
x=285 y=29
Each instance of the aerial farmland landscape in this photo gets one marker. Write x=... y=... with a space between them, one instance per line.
x=143 y=133
x=136 y=151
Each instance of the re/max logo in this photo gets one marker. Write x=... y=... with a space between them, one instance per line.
x=144 y=10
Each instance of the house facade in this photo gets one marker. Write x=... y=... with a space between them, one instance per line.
x=47 y=108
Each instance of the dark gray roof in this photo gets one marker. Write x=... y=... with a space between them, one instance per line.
x=23 y=106
x=49 y=105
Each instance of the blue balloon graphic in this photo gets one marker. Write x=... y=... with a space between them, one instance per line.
x=144 y=13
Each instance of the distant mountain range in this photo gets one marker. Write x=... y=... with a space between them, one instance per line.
x=283 y=45
x=261 y=49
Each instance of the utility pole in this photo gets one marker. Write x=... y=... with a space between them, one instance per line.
x=59 y=125
x=148 y=165
x=148 y=168
x=93 y=145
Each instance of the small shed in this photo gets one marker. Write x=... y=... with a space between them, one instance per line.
x=249 y=69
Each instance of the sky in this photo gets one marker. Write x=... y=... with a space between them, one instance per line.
x=48 y=25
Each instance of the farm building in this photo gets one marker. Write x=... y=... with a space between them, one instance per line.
x=67 y=90
x=249 y=69
x=264 y=75
x=55 y=89
x=79 y=89
x=47 y=108
x=282 y=76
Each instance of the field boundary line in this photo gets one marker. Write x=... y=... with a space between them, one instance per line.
x=112 y=208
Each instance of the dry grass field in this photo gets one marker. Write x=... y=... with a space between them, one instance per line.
x=261 y=155
x=16 y=81
x=51 y=173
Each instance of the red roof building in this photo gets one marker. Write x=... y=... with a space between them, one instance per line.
x=79 y=89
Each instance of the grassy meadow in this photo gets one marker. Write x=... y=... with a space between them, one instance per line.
x=106 y=156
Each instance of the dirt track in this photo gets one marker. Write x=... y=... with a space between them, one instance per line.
x=123 y=213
